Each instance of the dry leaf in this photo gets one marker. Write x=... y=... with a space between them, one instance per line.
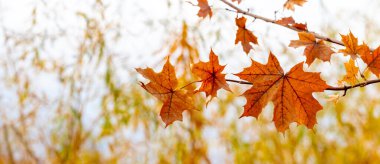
x=351 y=72
x=163 y=86
x=244 y=36
x=314 y=49
x=205 y=9
x=300 y=26
x=286 y=21
x=290 y=4
x=291 y=93
x=289 y=21
x=363 y=50
x=371 y=59
x=333 y=98
x=211 y=75
x=351 y=44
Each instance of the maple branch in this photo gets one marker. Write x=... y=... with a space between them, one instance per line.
x=344 y=88
x=238 y=10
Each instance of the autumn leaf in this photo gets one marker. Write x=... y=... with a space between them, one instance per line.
x=333 y=98
x=300 y=26
x=211 y=75
x=289 y=4
x=363 y=50
x=163 y=86
x=371 y=59
x=205 y=9
x=244 y=36
x=314 y=49
x=238 y=1
x=351 y=44
x=351 y=72
x=286 y=21
x=291 y=93
x=289 y=21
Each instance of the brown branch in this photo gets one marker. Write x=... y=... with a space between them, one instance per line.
x=238 y=10
x=239 y=82
x=344 y=88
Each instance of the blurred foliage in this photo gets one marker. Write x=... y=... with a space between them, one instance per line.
x=85 y=106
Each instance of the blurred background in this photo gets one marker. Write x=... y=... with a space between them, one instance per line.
x=69 y=91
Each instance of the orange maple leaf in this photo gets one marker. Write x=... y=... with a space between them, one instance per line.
x=300 y=26
x=351 y=44
x=289 y=4
x=314 y=49
x=291 y=93
x=286 y=21
x=351 y=71
x=204 y=9
x=289 y=21
x=363 y=50
x=163 y=86
x=211 y=75
x=244 y=36
x=371 y=59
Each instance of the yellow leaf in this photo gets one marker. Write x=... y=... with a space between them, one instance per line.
x=351 y=72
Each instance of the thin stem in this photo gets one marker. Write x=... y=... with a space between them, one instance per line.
x=239 y=82
x=354 y=86
x=344 y=88
x=190 y=84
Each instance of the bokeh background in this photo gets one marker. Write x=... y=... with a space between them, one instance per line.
x=69 y=91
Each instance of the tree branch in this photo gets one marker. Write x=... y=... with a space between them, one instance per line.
x=344 y=88
x=239 y=82
x=238 y=10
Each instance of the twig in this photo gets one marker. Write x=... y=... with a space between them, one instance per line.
x=354 y=86
x=191 y=3
x=344 y=88
x=239 y=82
x=190 y=84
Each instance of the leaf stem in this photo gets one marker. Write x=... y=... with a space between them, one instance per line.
x=190 y=84
x=239 y=82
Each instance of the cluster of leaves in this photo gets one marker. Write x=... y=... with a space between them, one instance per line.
x=205 y=9
x=291 y=92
